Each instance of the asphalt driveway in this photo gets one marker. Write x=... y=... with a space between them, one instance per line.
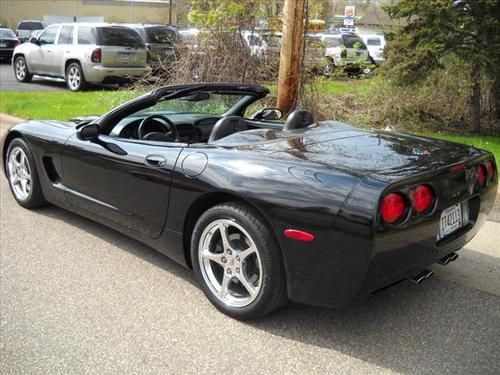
x=76 y=297
x=8 y=81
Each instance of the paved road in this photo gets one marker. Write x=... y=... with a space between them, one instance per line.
x=8 y=82
x=79 y=298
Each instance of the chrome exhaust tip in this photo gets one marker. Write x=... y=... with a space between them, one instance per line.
x=421 y=277
x=451 y=257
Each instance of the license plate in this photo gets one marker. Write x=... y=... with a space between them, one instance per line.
x=124 y=57
x=2 y=45
x=451 y=219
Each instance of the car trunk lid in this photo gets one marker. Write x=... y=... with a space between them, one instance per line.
x=388 y=155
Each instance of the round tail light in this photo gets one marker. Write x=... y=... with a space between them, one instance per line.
x=393 y=208
x=490 y=167
x=423 y=198
x=481 y=175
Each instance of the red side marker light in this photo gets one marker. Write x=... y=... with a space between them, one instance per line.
x=298 y=235
x=490 y=166
x=481 y=175
x=457 y=168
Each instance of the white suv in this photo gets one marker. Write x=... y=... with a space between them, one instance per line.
x=82 y=53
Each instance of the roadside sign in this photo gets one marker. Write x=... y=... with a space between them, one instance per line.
x=349 y=21
x=349 y=11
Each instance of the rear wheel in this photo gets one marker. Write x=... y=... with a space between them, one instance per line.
x=237 y=262
x=75 y=80
x=23 y=175
x=21 y=70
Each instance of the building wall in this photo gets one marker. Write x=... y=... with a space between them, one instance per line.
x=142 y=11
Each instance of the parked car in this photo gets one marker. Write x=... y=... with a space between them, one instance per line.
x=82 y=53
x=320 y=213
x=375 y=44
x=267 y=45
x=26 y=27
x=8 y=41
x=160 y=41
x=344 y=49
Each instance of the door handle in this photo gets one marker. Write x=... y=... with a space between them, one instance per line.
x=156 y=161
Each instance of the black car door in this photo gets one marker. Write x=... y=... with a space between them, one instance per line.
x=126 y=182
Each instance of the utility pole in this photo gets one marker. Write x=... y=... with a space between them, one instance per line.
x=170 y=12
x=291 y=54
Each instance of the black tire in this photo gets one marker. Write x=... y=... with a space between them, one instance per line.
x=272 y=293
x=21 y=71
x=35 y=197
x=75 y=79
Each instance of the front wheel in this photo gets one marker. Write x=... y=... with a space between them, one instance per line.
x=237 y=262
x=75 y=80
x=21 y=70
x=23 y=176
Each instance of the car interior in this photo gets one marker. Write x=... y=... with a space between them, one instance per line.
x=193 y=128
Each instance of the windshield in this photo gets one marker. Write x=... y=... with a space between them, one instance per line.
x=6 y=34
x=30 y=26
x=118 y=36
x=331 y=42
x=373 y=42
x=160 y=34
x=353 y=41
x=197 y=102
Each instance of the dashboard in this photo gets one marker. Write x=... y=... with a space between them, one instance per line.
x=192 y=127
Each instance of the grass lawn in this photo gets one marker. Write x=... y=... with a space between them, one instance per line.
x=489 y=143
x=61 y=105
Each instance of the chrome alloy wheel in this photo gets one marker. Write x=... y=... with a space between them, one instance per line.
x=20 y=69
x=74 y=78
x=19 y=173
x=230 y=263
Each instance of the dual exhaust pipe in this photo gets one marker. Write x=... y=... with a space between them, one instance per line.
x=426 y=274
x=451 y=257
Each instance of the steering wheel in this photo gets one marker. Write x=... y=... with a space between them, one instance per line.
x=170 y=130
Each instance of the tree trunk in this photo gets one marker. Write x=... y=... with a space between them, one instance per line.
x=291 y=54
x=475 y=99
x=496 y=95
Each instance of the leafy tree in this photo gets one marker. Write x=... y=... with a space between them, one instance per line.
x=433 y=29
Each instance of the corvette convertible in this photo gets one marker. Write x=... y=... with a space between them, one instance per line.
x=263 y=209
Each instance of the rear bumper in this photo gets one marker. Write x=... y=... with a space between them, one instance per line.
x=350 y=263
x=99 y=73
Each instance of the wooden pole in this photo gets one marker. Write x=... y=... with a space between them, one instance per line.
x=291 y=54
x=170 y=12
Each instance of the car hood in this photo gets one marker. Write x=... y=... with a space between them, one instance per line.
x=362 y=152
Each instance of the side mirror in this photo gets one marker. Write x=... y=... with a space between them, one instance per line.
x=269 y=114
x=88 y=132
x=34 y=40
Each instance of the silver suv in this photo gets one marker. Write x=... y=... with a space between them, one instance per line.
x=82 y=53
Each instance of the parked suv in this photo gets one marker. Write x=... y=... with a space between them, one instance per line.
x=26 y=27
x=82 y=53
x=344 y=49
x=160 y=41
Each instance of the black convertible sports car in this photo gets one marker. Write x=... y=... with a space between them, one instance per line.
x=264 y=211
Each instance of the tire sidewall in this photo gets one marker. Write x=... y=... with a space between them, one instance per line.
x=27 y=76
x=82 y=77
x=35 y=198
x=268 y=252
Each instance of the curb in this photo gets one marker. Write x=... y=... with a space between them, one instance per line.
x=10 y=120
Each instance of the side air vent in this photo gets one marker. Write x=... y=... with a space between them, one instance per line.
x=48 y=164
